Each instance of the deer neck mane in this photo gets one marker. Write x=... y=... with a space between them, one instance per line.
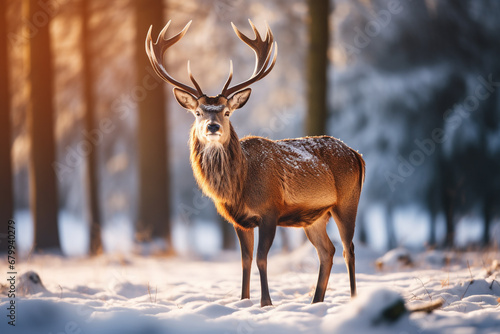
x=219 y=169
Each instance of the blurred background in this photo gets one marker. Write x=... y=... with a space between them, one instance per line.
x=93 y=148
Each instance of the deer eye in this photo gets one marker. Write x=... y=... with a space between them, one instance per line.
x=227 y=114
x=197 y=113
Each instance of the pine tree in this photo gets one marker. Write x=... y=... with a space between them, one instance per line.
x=93 y=201
x=6 y=195
x=154 y=207
x=317 y=67
x=40 y=118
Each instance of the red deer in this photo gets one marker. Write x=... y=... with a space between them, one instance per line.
x=257 y=182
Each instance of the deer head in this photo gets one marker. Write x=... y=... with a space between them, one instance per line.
x=212 y=125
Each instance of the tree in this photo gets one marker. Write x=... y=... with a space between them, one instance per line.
x=317 y=67
x=154 y=207
x=40 y=119
x=228 y=234
x=470 y=170
x=93 y=201
x=6 y=196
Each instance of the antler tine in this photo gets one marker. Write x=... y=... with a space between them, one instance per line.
x=148 y=52
x=198 y=88
x=240 y=35
x=266 y=72
x=263 y=49
x=155 y=52
x=269 y=34
x=259 y=46
x=256 y=32
x=230 y=77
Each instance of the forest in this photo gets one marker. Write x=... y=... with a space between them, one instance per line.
x=93 y=146
x=105 y=229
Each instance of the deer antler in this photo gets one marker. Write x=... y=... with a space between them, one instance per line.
x=263 y=50
x=156 y=51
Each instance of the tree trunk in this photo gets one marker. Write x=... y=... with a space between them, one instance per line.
x=487 y=209
x=6 y=194
x=361 y=228
x=487 y=168
x=449 y=241
x=448 y=200
x=40 y=119
x=389 y=225
x=317 y=67
x=433 y=207
x=228 y=234
x=285 y=240
x=91 y=176
x=432 y=229
x=154 y=206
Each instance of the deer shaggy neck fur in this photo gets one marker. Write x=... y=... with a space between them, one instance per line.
x=220 y=169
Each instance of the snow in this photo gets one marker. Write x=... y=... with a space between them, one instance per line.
x=297 y=148
x=118 y=293
x=362 y=308
x=395 y=257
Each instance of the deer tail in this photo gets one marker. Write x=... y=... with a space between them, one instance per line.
x=361 y=162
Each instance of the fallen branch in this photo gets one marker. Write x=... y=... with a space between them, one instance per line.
x=428 y=307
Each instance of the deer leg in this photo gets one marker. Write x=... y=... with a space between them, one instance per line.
x=246 y=244
x=349 y=259
x=316 y=233
x=345 y=222
x=267 y=230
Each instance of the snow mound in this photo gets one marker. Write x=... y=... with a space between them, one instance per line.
x=395 y=258
x=30 y=283
x=374 y=310
x=437 y=258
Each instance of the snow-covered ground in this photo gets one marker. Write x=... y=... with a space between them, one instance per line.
x=132 y=294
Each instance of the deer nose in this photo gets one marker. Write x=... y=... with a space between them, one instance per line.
x=213 y=127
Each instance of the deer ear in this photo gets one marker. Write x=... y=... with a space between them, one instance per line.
x=185 y=99
x=239 y=99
